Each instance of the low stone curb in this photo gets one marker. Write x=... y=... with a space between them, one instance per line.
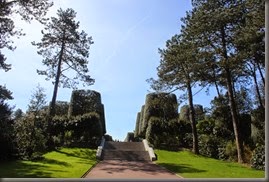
x=87 y=172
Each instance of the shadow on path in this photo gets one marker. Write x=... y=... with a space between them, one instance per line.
x=129 y=169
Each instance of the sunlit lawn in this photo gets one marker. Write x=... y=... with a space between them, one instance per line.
x=65 y=163
x=188 y=165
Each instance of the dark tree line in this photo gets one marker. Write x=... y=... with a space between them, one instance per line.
x=27 y=10
x=63 y=48
x=220 y=44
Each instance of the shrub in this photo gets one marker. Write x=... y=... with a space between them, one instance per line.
x=185 y=134
x=231 y=151
x=186 y=141
x=247 y=154
x=30 y=139
x=162 y=134
x=258 y=158
x=68 y=138
x=222 y=151
x=79 y=130
x=208 y=145
x=205 y=126
x=57 y=140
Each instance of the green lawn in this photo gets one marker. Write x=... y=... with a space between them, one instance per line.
x=65 y=163
x=188 y=165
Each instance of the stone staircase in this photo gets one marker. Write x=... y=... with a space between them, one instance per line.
x=130 y=151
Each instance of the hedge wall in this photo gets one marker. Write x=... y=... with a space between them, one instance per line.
x=85 y=130
x=86 y=101
x=161 y=106
x=137 y=123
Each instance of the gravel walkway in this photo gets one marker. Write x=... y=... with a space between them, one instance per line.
x=119 y=169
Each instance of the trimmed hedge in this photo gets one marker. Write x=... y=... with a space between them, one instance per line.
x=61 y=108
x=87 y=101
x=141 y=123
x=84 y=130
x=185 y=112
x=163 y=134
x=137 y=123
x=160 y=105
x=84 y=101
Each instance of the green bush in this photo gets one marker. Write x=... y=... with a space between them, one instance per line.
x=208 y=145
x=185 y=134
x=163 y=134
x=222 y=151
x=258 y=158
x=68 y=135
x=231 y=151
x=57 y=140
x=205 y=126
x=30 y=139
x=79 y=130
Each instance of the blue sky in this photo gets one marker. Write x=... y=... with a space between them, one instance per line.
x=126 y=35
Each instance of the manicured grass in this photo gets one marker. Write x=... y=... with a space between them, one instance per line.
x=64 y=163
x=188 y=165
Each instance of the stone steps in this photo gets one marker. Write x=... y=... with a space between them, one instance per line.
x=130 y=151
x=126 y=146
x=126 y=155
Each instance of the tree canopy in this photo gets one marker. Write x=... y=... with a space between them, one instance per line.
x=64 y=48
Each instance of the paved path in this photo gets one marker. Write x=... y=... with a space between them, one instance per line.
x=116 y=169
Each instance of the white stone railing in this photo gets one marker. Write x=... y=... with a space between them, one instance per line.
x=100 y=148
x=149 y=149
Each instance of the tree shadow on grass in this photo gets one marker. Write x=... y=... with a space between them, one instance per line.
x=53 y=161
x=20 y=169
x=181 y=168
x=83 y=154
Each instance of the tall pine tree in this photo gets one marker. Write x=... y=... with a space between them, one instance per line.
x=213 y=24
x=178 y=69
x=64 y=48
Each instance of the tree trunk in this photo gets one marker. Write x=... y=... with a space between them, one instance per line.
x=257 y=88
x=260 y=71
x=57 y=79
x=192 y=119
x=217 y=88
x=215 y=81
x=232 y=103
x=238 y=139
